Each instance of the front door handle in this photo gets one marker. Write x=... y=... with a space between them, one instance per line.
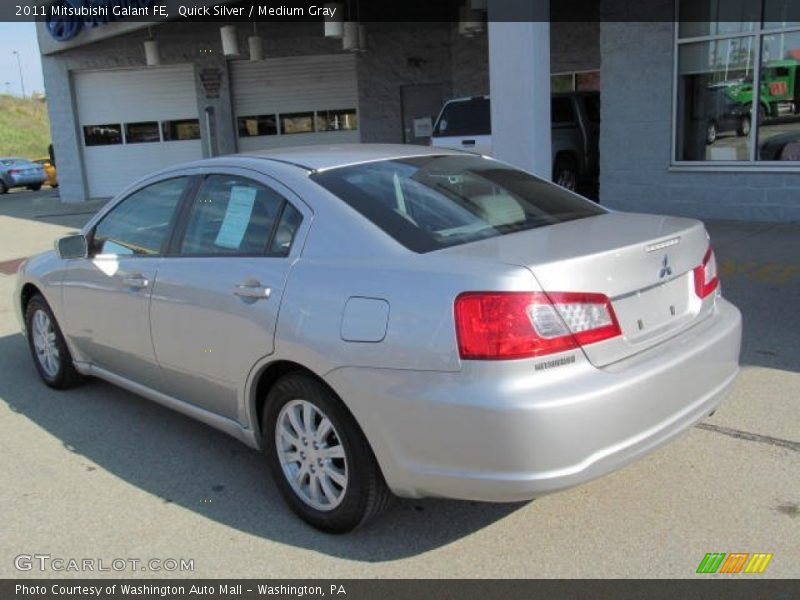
x=252 y=289
x=136 y=281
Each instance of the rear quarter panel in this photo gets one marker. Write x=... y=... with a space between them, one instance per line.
x=420 y=291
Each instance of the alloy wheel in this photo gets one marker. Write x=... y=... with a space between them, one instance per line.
x=44 y=342
x=311 y=455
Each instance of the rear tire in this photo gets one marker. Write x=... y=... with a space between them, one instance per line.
x=35 y=188
x=50 y=354
x=744 y=127
x=322 y=463
x=3 y=187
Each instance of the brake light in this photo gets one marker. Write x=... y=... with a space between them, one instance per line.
x=14 y=171
x=508 y=325
x=706 y=278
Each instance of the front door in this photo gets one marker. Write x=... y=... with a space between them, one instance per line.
x=106 y=296
x=215 y=302
x=421 y=105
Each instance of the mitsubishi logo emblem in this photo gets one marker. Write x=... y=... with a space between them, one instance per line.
x=666 y=270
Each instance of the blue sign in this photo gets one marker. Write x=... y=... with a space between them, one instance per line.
x=66 y=18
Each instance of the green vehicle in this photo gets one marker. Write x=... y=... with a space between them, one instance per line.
x=780 y=85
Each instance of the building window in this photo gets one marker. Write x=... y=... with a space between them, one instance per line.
x=181 y=130
x=102 y=135
x=257 y=125
x=337 y=120
x=138 y=133
x=737 y=88
x=297 y=123
x=575 y=81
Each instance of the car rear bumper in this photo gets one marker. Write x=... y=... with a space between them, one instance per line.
x=20 y=180
x=503 y=431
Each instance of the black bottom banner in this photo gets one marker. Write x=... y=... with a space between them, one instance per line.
x=398 y=589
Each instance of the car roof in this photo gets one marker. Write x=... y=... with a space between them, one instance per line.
x=322 y=157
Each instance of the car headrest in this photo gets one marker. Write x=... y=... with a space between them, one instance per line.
x=499 y=209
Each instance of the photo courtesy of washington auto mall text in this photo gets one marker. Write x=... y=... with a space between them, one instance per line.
x=209 y=589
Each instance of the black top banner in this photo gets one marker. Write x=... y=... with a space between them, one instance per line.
x=100 y=11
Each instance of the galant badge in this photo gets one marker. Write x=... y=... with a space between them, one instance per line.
x=666 y=270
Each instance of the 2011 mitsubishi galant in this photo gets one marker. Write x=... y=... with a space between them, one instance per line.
x=385 y=318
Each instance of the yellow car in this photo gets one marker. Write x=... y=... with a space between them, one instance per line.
x=50 y=171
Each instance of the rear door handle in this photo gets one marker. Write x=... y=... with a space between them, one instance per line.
x=136 y=281
x=252 y=290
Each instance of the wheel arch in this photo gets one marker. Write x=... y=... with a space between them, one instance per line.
x=28 y=291
x=267 y=376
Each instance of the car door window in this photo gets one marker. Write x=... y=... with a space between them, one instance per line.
x=140 y=224
x=232 y=215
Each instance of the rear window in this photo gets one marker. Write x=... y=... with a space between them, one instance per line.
x=464 y=117
x=432 y=202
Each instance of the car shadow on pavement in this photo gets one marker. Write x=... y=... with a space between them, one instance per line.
x=187 y=463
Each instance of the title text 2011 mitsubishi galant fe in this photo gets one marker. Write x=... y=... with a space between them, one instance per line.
x=391 y=319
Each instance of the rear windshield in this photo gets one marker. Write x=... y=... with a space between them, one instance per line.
x=464 y=117
x=431 y=202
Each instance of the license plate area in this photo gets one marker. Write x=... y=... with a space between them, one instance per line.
x=653 y=311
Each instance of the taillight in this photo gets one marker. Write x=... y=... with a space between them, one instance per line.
x=508 y=325
x=14 y=171
x=705 y=276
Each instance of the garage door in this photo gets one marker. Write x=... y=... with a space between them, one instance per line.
x=135 y=121
x=295 y=100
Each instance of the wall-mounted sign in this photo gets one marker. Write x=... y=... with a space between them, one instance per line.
x=212 y=81
x=66 y=18
x=423 y=127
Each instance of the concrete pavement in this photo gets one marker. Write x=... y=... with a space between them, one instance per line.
x=99 y=473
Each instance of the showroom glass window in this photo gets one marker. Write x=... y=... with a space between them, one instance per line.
x=737 y=92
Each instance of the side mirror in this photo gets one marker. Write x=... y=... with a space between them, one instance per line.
x=72 y=246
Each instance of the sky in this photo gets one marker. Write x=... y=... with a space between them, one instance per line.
x=22 y=38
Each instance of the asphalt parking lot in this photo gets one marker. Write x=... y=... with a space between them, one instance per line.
x=99 y=473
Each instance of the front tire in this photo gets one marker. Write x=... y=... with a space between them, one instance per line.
x=711 y=134
x=319 y=457
x=565 y=173
x=49 y=350
x=35 y=188
x=3 y=187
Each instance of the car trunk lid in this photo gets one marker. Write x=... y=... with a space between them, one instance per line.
x=643 y=263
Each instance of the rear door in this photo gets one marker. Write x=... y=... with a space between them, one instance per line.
x=215 y=303
x=465 y=124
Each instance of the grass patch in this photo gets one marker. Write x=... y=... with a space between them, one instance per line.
x=24 y=127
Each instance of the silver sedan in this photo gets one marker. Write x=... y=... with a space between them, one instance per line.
x=387 y=320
